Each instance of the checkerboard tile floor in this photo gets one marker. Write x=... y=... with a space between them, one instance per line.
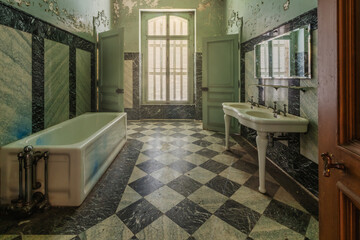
x=184 y=185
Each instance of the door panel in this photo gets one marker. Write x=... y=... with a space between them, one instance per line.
x=220 y=77
x=111 y=66
x=339 y=190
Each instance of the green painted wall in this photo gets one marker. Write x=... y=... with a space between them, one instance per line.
x=261 y=16
x=75 y=16
x=210 y=17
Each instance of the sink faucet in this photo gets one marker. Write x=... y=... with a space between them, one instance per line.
x=252 y=103
x=282 y=111
x=274 y=108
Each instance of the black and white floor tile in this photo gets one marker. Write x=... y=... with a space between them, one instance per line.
x=184 y=185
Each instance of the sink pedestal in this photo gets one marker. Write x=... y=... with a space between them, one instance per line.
x=227 y=119
x=263 y=121
x=262 y=142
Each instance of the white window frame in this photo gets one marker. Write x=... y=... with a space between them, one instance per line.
x=146 y=14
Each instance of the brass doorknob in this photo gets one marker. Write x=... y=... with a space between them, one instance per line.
x=327 y=158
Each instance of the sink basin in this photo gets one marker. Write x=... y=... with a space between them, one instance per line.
x=239 y=105
x=263 y=121
x=260 y=114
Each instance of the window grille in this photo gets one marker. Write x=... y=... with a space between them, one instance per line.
x=168 y=47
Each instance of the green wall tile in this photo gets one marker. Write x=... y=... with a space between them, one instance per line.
x=56 y=83
x=15 y=85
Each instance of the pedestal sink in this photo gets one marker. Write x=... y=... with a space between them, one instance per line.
x=263 y=121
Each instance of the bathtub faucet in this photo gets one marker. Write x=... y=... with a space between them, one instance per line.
x=30 y=200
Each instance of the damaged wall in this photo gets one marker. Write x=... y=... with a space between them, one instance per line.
x=261 y=16
x=210 y=17
x=73 y=16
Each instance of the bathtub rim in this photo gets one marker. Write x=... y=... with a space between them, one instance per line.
x=22 y=142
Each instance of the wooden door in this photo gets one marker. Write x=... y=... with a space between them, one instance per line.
x=339 y=121
x=111 y=67
x=220 y=79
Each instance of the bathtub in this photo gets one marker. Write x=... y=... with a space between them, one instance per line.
x=81 y=149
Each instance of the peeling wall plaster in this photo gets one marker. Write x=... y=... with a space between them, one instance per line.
x=210 y=17
x=73 y=16
x=261 y=16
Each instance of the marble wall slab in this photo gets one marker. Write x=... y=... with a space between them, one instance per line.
x=128 y=84
x=56 y=83
x=309 y=108
x=83 y=81
x=15 y=85
x=134 y=112
x=250 y=80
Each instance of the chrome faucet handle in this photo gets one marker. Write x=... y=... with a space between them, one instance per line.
x=275 y=105
x=28 y=148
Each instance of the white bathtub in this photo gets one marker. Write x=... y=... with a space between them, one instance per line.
x=81 y=149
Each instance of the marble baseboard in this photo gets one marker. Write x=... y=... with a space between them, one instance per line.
x=167 y=112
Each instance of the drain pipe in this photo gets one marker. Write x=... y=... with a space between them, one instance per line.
x=282 y=137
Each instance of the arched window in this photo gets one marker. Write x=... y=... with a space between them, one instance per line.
x=167 y=41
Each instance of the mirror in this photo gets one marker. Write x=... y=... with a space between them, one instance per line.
x=284 y=57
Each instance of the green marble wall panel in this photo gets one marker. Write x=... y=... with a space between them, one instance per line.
x=15 y=85
x=56 y=83
x=309 y=107
x=83 y=81
x=128 y=84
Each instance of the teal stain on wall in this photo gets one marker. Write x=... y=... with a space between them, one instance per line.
x=210 y=18
x=15 y=85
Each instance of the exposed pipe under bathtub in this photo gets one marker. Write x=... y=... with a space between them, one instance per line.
x=26 y=204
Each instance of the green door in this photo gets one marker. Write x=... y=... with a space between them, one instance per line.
x=220 y=79
x=111 y=70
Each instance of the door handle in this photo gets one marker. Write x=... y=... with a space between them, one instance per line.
x=327 y=158
x=119 y=90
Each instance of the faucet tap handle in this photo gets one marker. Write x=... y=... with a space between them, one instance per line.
x=28 y=148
